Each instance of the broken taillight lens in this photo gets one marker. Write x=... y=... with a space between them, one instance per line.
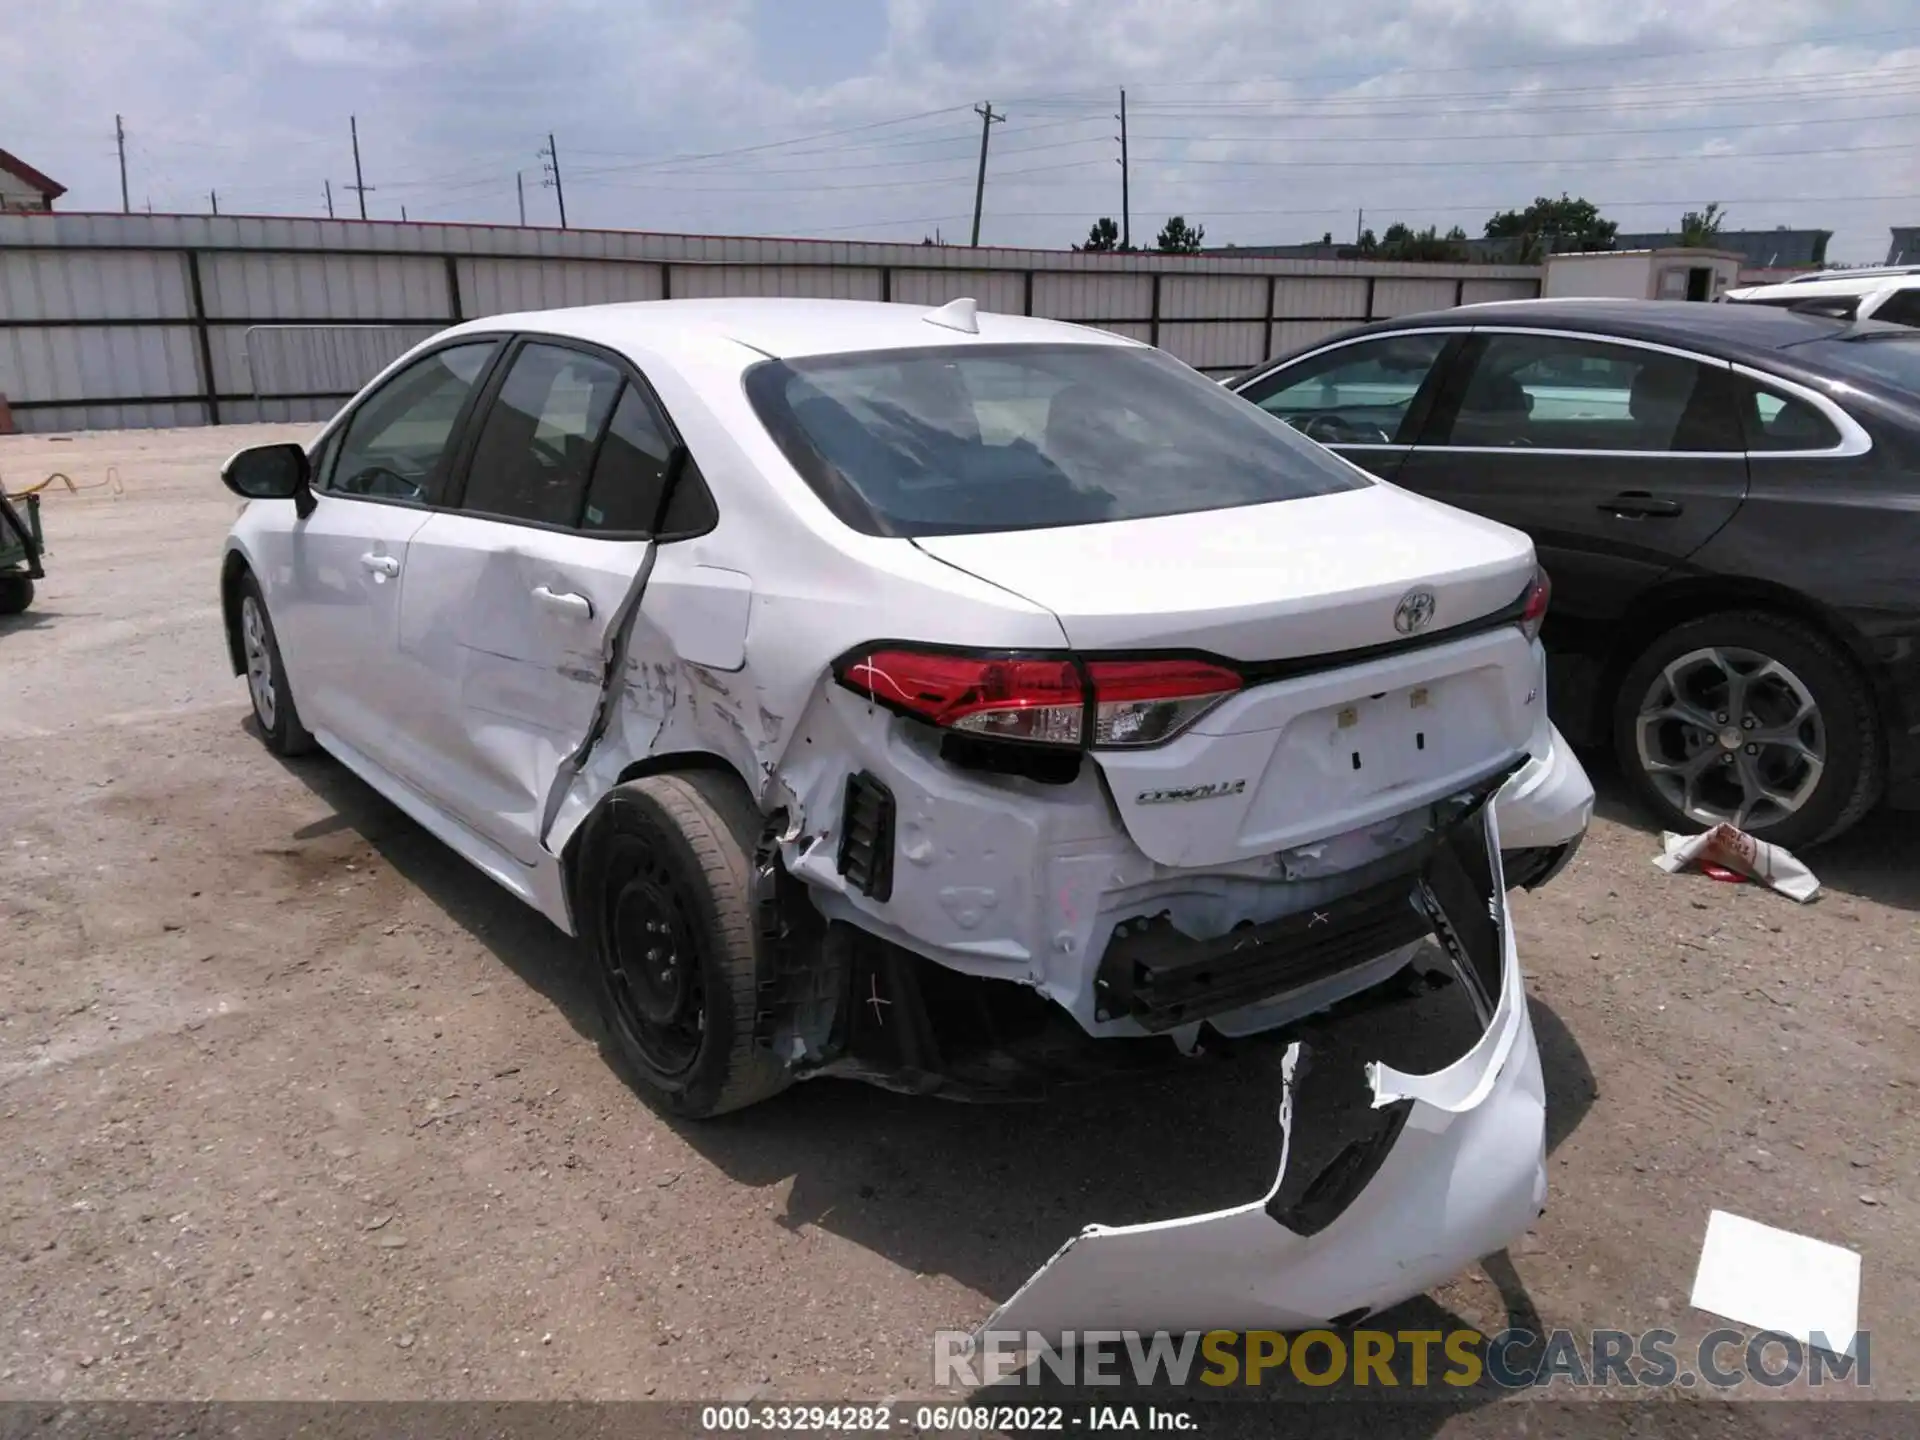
x=1041 y=700
x=1142 y=702
x=1037 y=700
x=1533 y=611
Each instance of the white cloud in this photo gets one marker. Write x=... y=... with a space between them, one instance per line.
x=1265 y=122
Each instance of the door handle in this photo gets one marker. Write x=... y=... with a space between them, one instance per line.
x=574 y=607
x=1640 y=504
x=381 y=564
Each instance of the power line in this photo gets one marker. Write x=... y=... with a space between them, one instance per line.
x=1587 y=58
x=1449 y=137
x=1538 y=159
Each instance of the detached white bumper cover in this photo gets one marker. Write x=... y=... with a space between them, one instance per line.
x=1454 y=1169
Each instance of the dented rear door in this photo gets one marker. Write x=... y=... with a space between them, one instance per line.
x=507 y=628
x=512 y=594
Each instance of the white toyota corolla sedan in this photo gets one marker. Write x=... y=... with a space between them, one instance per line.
x=957 y=701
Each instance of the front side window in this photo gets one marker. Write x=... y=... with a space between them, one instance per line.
x=537 y=445
x=1556 y=392
x=1357 y=394
x=396 y=441
x=947 y=441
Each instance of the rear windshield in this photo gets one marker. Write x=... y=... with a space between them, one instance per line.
x=1886 y=357
x=1019 y=437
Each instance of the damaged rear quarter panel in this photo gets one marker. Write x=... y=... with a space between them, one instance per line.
x=806 y=588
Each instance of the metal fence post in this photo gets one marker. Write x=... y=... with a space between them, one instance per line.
x=209 y=392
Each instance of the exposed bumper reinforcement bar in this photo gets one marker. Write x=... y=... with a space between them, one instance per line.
x=1164 y=979
x=1449 y=1166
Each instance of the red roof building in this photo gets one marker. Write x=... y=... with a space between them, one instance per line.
x=24 y=188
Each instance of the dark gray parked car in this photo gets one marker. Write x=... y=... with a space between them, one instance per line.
x=1727 y=500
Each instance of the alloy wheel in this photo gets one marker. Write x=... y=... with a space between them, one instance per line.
x=259 y=656
x=1728 y=734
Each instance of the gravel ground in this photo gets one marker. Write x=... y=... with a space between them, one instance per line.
x=294 y=1105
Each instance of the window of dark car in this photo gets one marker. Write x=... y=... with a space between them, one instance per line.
x=395 y=442
x=1365 y=389
x=1774 y=421
x=955 y=440
x=1562 y=392
x=537 y=445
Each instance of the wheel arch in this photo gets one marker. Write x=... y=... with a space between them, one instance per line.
x=1678 y=601
x=673 y=762
x=232 y=568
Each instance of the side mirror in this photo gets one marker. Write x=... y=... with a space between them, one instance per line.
x=271 y=472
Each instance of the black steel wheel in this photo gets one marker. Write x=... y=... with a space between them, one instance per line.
x=663 y=889
x=1753 y=719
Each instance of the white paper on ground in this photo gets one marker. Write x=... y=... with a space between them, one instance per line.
x=1736 y=850
x=1773 y=1279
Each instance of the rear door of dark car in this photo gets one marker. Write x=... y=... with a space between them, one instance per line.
x=1365 y=399
x=1620 y=459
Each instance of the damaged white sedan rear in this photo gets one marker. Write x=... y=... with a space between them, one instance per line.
x=962 y=702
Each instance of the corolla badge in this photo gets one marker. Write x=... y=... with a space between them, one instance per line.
x=1191 y=792
x=1414 y=612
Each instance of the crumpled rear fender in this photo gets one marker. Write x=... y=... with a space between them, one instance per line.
x=1451 y=1167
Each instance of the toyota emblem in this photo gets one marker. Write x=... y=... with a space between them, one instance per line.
x=1414 y=612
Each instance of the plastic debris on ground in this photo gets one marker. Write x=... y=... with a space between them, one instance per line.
x=1727 y=848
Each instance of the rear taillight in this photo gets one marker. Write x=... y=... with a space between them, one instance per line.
x=1042 y=701
x=1142 y=702
x=1533 y=611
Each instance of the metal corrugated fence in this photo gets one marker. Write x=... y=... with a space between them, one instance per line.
x=109 y=321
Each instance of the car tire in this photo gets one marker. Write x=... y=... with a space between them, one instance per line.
x=664 y=874
x=16 y=593
x=273 y=708
x=1828 y=765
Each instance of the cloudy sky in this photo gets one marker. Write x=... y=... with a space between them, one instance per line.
x=1266 y=120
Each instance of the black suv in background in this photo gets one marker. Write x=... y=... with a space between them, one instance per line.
x=1727 y=500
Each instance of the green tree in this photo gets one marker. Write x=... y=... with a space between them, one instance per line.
x=1547 y=224
x=1702 y=227
x=1402 y=242
x=1104 y=236
x=1368 y=245
x=1179 y=238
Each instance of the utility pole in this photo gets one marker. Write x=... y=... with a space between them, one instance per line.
x=361 y=189
x=987 y=121
x=520 y=189
x=120 y=139
x=403 y=214
x=550 y=158
x=213 y=197
x=1126 y=207
x=329 y=185
x=1359 y=225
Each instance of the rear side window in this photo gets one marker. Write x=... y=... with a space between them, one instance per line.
x=1556 y=392
x=956 y=440
x=537 y=446
x=1775 y=422
x=631 y=472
